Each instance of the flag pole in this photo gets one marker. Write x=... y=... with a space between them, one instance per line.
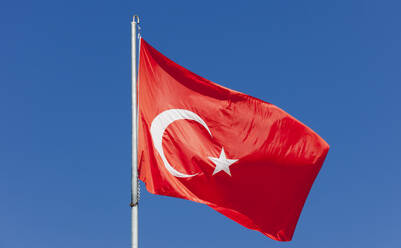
x=134 y=165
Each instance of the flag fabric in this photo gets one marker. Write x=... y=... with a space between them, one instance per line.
x=243 y=157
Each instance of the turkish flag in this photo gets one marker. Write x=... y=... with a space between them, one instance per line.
x=243 y=157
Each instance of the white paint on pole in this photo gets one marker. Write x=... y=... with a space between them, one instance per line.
x=134 y=167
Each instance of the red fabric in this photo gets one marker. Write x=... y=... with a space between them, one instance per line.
x=278 y=156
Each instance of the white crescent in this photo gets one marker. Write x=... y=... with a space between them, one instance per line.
x=160 y=124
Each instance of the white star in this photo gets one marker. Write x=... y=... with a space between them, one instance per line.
x=222 y=163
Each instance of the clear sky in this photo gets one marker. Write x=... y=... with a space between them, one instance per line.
x=65 y=116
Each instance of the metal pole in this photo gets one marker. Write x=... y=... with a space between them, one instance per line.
x=134 y=169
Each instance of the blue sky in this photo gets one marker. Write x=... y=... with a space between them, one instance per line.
x=65 y=116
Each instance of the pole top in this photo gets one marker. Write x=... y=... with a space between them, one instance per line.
x=135 y=19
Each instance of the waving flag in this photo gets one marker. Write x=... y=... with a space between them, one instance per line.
x=244 y=157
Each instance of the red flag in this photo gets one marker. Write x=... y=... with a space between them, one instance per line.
x=245 y=158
